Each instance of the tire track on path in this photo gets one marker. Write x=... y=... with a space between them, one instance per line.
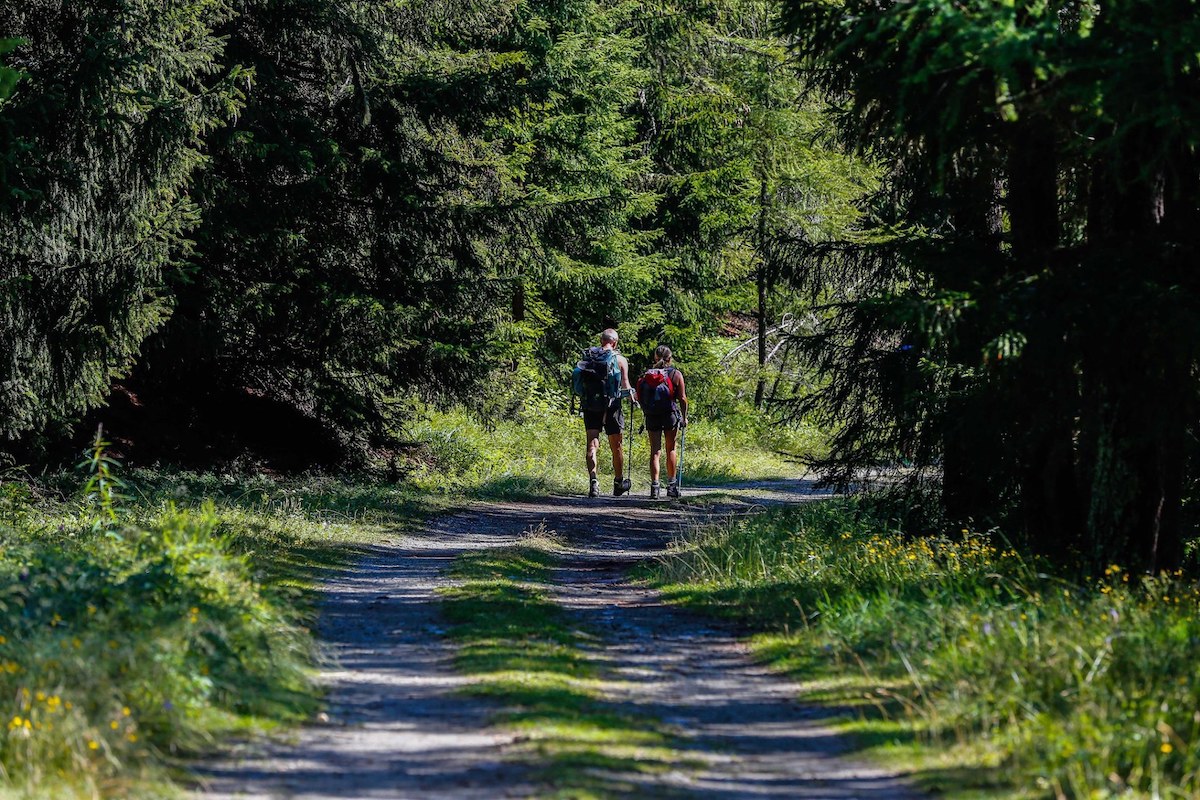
x=398 y=726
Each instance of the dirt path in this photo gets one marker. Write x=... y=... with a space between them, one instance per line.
x=398 y=728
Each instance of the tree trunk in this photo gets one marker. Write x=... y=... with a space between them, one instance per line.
x=1136 y=371
x=1050 y=501
x=1137 y=425
x=760 y=277
x=518 y=303
x=969 y=450
x=761 y=387
x=787 y=351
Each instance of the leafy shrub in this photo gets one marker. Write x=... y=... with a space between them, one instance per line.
x=119 y=646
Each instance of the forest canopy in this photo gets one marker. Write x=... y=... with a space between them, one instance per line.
x=963 y=233
x=333 y=205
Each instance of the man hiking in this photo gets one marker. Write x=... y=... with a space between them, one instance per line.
x=601 y=380
x=663 y=398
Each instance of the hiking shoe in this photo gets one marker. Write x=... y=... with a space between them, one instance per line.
x=594 y=488
x=654 y=490
x=672 y=490
x=621 y=487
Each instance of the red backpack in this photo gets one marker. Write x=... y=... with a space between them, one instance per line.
x=656 y=390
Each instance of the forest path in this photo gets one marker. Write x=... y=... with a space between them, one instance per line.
x=399 y=725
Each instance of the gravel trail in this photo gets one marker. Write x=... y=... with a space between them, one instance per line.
x=397 y=726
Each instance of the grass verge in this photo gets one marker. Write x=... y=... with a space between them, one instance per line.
x=542 y=452
x=528 y=657
x=139 y=631
x=964 y=661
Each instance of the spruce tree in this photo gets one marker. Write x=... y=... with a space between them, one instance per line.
x=98 y=143
x=1026 y=327
x=550 y=88
x=752 y=183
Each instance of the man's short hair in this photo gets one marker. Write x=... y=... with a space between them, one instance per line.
x=608 y=336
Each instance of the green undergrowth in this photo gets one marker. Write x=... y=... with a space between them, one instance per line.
x=149 y=615
x=960 y=659
x=145 y=622
x=543 y=451
x=125 y=647
x=293 y=530
x=526 y=655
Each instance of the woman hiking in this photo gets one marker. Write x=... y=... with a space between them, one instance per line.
x=663 y=398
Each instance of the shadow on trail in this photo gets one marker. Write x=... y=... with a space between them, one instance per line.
x=740 y=722
x=400 y=725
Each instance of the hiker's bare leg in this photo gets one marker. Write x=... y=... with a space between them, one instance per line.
x=672 y=456
x=655 y=447
x=614 y=444
x=593 y=446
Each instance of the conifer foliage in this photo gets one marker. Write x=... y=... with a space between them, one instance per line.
x=750 y=180
x=1026 y=323
x=98 y=143
x=326 y=206
x=339 y=258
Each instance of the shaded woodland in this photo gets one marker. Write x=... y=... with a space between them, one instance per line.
x=969 y=229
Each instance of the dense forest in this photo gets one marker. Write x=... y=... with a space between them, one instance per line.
x=305 y=281
x=330 y=205
x=963 y=233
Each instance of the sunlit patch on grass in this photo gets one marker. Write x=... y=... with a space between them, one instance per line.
x=542 y=452
x=525 y=654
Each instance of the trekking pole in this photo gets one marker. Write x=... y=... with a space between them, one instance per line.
x=679 y=466
x=629 y=446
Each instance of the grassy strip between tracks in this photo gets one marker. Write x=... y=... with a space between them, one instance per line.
x=528 y=657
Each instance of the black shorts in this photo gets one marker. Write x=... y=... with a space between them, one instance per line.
x=611 y=419
x=663 y=420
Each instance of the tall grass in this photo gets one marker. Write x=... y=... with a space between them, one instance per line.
x=142 y=626
x=146 y=614
x=121 y=646
x=1076 y=689
x=543 y=451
